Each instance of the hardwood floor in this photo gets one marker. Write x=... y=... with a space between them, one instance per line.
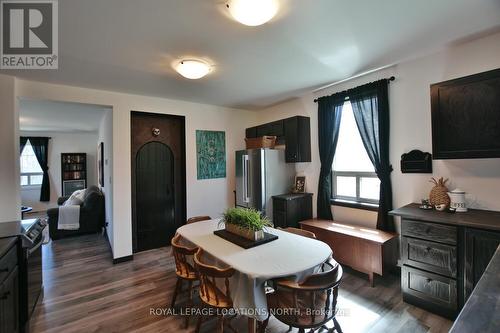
x=85 y=292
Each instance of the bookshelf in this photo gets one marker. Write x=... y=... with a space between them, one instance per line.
x=73 y=172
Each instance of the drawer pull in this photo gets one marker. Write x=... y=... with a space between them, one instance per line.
x=428 y=230
x=5 y=295
x=4 y=270
x=429 y=280
x=428 y=249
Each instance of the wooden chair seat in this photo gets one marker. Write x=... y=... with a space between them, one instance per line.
x=186 y=271
x=198 y=219
x=284 y=299
x=212 y=293
x=299 y=232
x=309 y=304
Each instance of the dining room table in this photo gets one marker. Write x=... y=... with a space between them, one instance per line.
x=290 y=255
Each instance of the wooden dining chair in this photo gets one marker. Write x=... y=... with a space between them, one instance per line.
x=184 y=270
x=310 y=304
x=210 y=293
x=300 y=232
x=198 y=219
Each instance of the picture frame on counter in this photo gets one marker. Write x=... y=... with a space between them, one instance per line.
x=300 y=184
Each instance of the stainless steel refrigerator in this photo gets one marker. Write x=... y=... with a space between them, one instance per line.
x=260 y=174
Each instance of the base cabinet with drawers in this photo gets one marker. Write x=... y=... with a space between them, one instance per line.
x=9 y=286
x=444 y=255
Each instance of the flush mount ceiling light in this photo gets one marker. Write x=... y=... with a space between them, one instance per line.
x=192 y=68
x=253 y=12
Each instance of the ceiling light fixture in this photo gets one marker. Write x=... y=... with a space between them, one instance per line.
x=253 y=12
x=193 y=69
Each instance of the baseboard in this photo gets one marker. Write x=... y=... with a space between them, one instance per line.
x=394 y=269
x=123 y=259
x=105 y=233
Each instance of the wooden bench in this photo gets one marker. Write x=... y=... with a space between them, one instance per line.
x=357 y=247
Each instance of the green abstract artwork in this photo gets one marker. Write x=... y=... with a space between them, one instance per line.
x=211 y=154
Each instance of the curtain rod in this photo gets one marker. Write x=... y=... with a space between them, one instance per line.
x=392 y=78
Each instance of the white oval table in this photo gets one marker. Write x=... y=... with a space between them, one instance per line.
x=290 y=255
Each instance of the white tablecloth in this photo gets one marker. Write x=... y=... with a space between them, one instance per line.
x=290 y=255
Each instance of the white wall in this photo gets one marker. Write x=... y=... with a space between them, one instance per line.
x=409 y=97
x=10 y=198
x=61 y=143
x=106 y=136
x=203 y=196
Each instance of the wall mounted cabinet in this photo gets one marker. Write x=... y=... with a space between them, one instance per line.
x=294 y=133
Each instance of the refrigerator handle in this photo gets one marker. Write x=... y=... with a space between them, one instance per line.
x=246 y=162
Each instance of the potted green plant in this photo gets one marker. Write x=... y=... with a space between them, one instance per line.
x=245 y=222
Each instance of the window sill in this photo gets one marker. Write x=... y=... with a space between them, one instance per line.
x=353 y=204
x=30 y=187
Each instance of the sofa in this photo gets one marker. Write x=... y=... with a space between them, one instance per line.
x=91 y=215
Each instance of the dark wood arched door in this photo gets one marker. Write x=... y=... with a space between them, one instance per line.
x=158 y=179
x=155 y=197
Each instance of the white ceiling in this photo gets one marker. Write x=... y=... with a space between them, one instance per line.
x=38 y=115
x=129 y=45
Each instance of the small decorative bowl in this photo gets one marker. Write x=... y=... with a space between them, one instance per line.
x=441 y=207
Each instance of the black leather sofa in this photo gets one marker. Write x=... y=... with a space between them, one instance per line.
x=91 y=215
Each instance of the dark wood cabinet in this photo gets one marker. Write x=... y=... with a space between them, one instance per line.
x=9 y=286
x=429 y=272
x=251 y=132
x=294 y=133
x=444 y=255
x=297 y=139
x=9 y=303
x=480 y=245
x=290 y=209
x=430 y=291
x=431 y=256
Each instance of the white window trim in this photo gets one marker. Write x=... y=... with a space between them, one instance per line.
x=29 y=174
x=357 y=199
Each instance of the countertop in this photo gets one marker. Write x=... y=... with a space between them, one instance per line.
x=481 y=312
x=291 y=196
x=15 y=228
x=475 y=218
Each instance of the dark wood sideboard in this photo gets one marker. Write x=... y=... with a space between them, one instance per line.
x=444 y=255
x=290 y=209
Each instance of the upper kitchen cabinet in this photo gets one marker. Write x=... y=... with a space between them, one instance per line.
x=297 y=139
x=294 y=133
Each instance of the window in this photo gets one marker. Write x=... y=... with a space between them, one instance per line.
x=31 y=172
x=353 y=175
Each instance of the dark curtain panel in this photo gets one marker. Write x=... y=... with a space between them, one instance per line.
x=24 y=140
x=41 y=148
x=370 y=104
x=329 y=115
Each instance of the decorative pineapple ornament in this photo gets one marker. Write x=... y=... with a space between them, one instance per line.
x=439 y=193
